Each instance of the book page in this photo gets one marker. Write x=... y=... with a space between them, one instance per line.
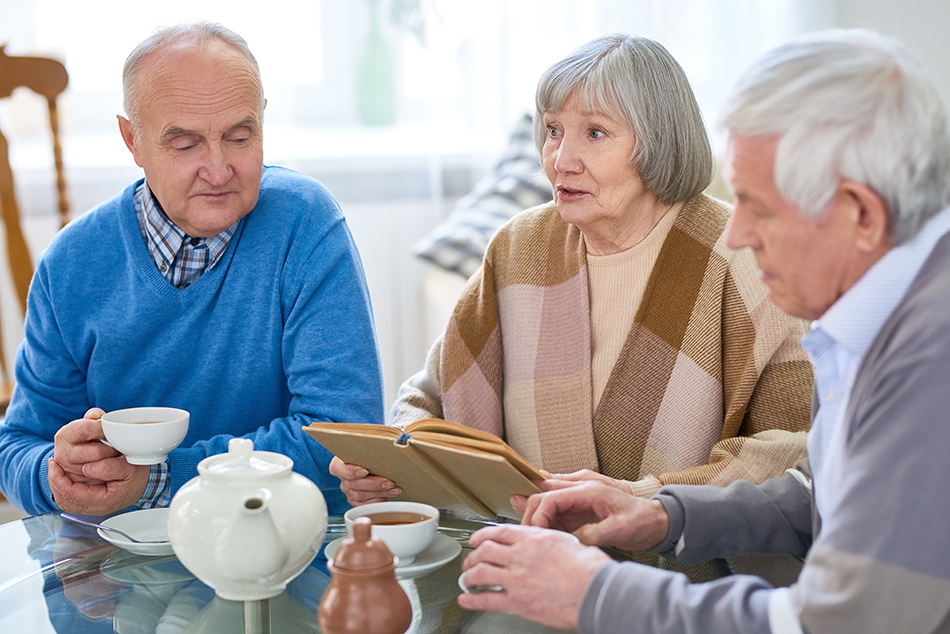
x=498 y=448
x=363 y=429
x=443 y=426
x=489 y=477
x=437 y=430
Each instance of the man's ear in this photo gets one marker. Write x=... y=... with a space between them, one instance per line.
x=871 y=221
x=125 y=128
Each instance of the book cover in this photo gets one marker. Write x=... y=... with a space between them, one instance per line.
x=437 y=462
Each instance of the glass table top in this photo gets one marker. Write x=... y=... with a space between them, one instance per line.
x=61 y=577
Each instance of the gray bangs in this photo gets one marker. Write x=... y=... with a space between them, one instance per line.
x=587 y=81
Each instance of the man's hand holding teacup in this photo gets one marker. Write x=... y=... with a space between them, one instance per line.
x=89 y=477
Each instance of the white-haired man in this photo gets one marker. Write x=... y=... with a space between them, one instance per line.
x=839 y=157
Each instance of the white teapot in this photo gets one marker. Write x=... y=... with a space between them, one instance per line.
x=247 y=524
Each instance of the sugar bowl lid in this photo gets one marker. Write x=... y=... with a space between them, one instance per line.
x=362 y=552
x=241 y=462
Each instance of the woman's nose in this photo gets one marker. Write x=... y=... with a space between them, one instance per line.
x=568 y=159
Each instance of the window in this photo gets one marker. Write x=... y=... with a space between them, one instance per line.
x=466 y=66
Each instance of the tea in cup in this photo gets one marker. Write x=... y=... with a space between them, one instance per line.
x=145 y=435
x=407 y=528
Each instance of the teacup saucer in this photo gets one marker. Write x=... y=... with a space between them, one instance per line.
x=441 y=551
x=146 y=524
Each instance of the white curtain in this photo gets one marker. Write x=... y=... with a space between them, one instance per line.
x=476 y=63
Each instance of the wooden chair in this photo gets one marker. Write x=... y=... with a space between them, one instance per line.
x=48 y=78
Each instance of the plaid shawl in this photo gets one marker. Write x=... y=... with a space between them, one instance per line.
x=711 y=384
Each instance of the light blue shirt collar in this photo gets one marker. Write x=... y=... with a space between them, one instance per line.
x=838 y=342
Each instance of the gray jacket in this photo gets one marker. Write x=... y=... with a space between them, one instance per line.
x=881 y=563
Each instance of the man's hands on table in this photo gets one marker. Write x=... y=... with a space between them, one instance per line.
x=545 y=573
x=89 y=477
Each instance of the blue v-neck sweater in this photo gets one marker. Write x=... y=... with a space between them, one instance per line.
x=278 y=334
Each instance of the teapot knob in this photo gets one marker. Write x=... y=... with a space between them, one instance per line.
x=241 y=447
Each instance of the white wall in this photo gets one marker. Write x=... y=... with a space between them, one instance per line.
x=921 y=24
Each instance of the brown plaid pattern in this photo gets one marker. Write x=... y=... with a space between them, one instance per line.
x=711 y=384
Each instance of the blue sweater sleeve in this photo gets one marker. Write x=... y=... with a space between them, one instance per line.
x=49 y=393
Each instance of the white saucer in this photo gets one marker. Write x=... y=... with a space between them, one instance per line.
x=149 y=524
x=441 y=551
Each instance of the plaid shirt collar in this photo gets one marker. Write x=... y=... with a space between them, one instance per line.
x=180 y=258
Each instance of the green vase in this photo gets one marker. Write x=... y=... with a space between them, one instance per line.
x=375 y=100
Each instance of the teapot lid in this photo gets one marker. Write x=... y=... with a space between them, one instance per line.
x=241 y=461
x=362 y=552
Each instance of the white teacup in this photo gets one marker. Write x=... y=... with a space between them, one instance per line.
x=145 y=435
x=413 y=528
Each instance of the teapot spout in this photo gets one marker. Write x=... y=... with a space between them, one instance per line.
x=256 y=502
x=251 y=548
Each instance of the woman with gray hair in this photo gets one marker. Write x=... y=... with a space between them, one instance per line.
x=610 y=334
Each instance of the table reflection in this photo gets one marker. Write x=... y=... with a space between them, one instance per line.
x=61 y=577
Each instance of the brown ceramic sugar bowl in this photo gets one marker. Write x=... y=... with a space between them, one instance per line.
x=363 y=596
x=407 y=528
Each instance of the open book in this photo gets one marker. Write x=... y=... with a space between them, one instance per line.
x=437 y=462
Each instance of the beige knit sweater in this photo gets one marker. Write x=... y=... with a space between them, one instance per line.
x=711 y=384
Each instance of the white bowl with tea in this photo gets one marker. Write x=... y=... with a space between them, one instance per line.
x=407 y=528
x=145 y=435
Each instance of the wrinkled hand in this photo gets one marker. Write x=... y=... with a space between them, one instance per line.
x=359 y=486
x=557 y=481
x=597 y=514
x=544 y=573
x=77 y=444
x=89 y=477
